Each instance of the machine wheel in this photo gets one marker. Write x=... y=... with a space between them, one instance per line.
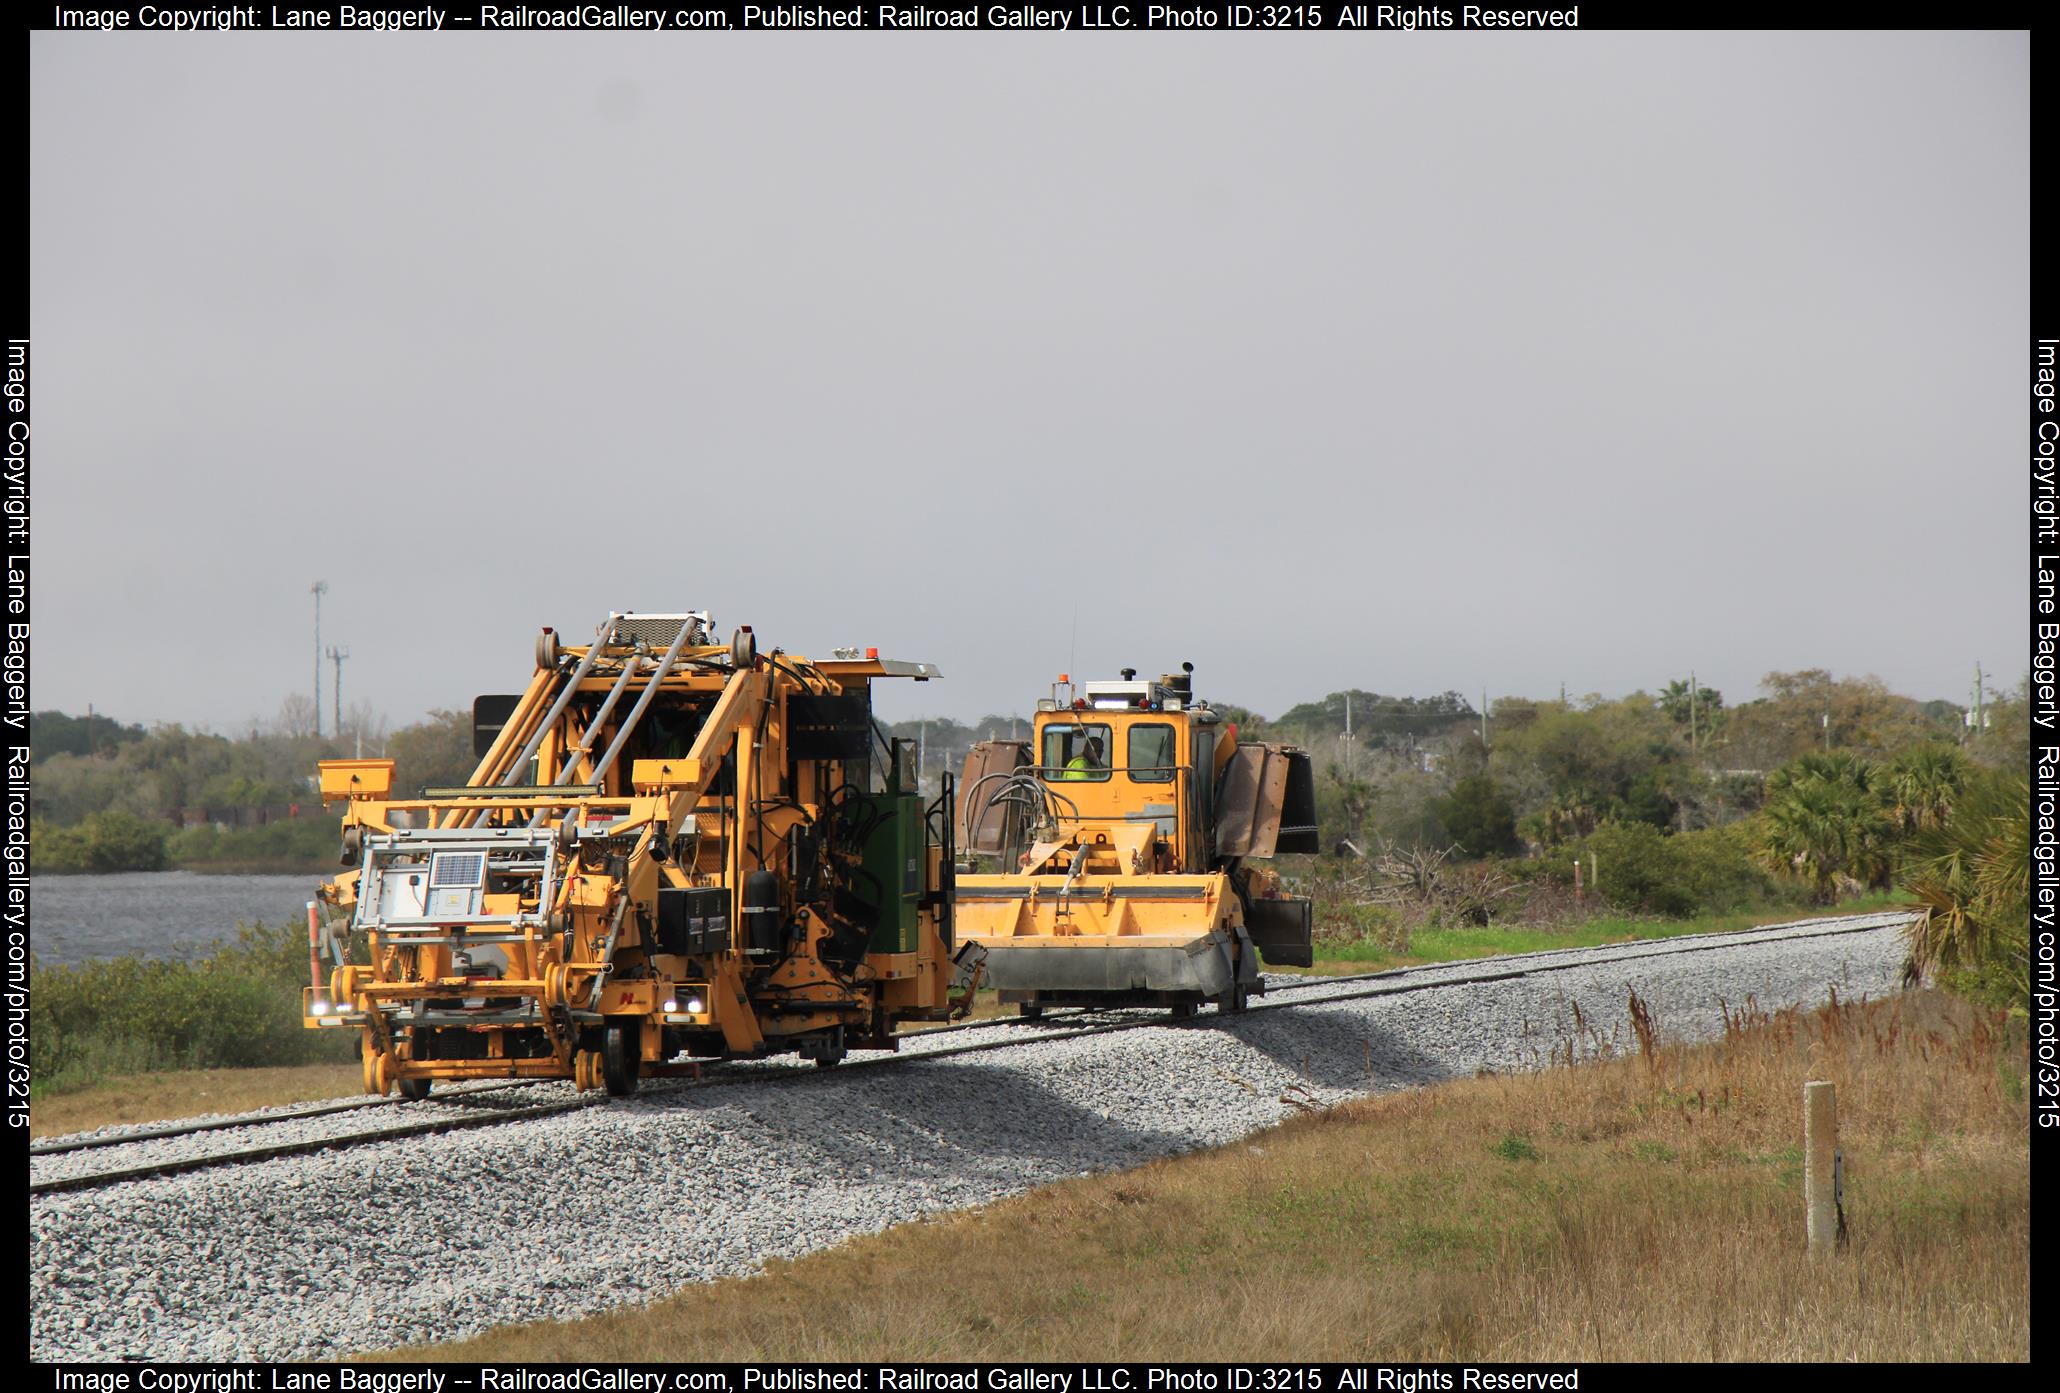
x=414 y=1090
x=743 y=648
x=547 y=650
x=1234 y=1001
x=619 y=1061
x=1183 y=1008
x=1031 y=1010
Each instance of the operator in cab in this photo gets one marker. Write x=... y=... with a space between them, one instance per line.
x=1086 y=764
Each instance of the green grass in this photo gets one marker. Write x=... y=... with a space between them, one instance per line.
x=1452 y=944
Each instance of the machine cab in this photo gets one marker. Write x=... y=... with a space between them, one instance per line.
x=1115 y=755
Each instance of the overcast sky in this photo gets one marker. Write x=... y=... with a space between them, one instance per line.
x=1405 y=362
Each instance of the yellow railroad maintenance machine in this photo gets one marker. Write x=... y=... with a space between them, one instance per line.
x=1123 y=834
x=671 y=846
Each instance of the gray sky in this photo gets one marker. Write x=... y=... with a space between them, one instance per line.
x=1407 y=362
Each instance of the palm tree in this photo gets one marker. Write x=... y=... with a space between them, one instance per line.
x=1920 y=786
x=1973 y=873
x=1825 y=822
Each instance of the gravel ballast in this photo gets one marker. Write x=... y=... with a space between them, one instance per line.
x=438 y=1237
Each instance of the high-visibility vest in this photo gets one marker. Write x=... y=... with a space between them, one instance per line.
x=1078 y=768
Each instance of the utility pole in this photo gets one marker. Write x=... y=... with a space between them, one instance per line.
x=1348 y=735
x=1691 y=708
x=1979 y=718
x=318 y=590
x=336 y=656
x=1484 y=718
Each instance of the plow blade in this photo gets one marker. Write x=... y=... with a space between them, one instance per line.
x=1281 y=930
x=1061 y=965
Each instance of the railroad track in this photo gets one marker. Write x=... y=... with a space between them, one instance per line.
x=1009 y=1034
x=66 y=1146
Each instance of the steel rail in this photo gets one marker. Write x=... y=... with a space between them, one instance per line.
x=68 y=1146
x=182 y=1164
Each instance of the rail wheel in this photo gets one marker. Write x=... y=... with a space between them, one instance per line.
x=826 y=1050
x=1183 y=1008
x=619 y=1061
x=414 y=1090
x=1031 y=1010
x=1234 y=1001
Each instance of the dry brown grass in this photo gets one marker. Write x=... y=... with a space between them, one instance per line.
x=188 y=1093
x=1644 y=1208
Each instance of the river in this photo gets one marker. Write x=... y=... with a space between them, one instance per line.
x=160 y=914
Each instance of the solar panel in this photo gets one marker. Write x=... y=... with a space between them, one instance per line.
x=457 y=868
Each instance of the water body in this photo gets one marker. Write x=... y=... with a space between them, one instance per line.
x=158 y=914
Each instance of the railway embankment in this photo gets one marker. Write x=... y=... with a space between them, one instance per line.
x=267 y=1257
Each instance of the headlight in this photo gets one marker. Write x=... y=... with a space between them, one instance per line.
x=320 y=1008
x=694 y=1005
x=671 y=1005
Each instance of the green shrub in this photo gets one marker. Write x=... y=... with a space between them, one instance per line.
x=1341 y=922
x=1477 y=817
x=99 y=842
x=239 y=1007
x=295 y=844
x=1644 y=870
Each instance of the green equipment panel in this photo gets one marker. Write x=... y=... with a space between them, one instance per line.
x=894 y=855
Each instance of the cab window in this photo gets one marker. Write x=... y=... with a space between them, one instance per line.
x=1151 y=754
x=1075 y=753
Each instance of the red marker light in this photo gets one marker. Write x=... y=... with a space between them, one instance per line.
x=872 y=653
x=1079 y=703
x=1065 y=677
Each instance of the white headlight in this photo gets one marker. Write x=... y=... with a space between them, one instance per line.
x=320 y=1008
x=671 y=1005
x=694 y=1005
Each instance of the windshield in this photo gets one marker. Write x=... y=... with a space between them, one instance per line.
x=1074 y=753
